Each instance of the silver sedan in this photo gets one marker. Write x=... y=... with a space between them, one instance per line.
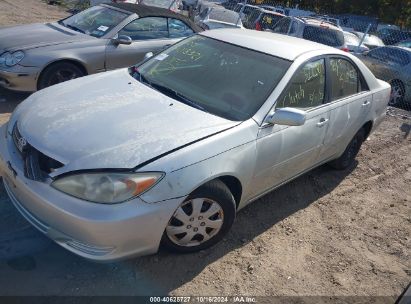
x=115 y=164
x=392 y=64
x=101 y=38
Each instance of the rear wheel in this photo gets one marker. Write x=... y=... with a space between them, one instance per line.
x=348 y=157
x=201 y=220
x=59 y=72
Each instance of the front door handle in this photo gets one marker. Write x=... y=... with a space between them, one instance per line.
x=366 y=103
x=322 y=123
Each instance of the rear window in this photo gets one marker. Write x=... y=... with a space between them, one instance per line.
x=282 y=26
x=325 y=36
x=269 y=20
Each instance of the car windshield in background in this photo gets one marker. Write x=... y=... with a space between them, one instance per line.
x=95 y=21
x=214 y=76
x=324 y=35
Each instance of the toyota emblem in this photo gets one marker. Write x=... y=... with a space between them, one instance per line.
x=21 y=143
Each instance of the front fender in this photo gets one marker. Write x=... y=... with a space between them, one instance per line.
x=231 y=153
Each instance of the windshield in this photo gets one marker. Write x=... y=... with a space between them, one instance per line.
x=223 y=79
x=95 y=21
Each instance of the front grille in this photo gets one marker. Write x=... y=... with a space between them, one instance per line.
x=36 y=164
x=19 y=141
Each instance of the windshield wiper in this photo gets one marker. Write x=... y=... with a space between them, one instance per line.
x=175 y=95
x=167 y=91
x=75 y=28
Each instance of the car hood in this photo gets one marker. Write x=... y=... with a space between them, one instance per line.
x=110 y=120
x=24 y=37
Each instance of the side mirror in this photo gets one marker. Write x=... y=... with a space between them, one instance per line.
x=122 y=39
x=287 y=117
x=148 y=55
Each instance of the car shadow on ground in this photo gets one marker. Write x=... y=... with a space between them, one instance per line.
x=37 y=261
x=406 y=128
x=9 y=100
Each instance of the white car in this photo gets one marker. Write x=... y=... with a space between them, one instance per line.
x=113 y=165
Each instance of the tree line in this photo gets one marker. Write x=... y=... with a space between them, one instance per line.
x=388 y=11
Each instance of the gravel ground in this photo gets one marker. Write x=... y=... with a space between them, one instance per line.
x=326 y=233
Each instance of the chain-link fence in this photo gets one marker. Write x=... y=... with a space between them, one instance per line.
x=384 y=48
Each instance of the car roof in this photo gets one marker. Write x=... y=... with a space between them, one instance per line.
x=151 y=11
x=278 y=45
x=272 y=13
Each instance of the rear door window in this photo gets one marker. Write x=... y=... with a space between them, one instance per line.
x=345 y=79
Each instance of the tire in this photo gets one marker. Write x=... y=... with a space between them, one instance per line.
x=59 y=72
x=217 y=209
x=348 y=157
x=397 y=93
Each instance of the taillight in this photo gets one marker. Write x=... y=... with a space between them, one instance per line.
x=258 y=26
x=345 y=49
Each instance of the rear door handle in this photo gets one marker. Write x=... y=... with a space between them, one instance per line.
x=323 y=122
x=366 y=103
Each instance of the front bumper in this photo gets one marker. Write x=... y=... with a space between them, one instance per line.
x=94 y=231
x=19 y=78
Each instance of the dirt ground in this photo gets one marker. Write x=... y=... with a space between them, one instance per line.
x=327 y=233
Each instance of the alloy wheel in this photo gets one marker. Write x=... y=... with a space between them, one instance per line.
x=397 y=94
x=62 y=76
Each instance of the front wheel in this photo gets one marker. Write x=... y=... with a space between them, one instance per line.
x=348 y=157
x=59 y=72
x=201 y=220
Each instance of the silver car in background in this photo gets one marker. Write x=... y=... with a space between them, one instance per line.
x=101 y=38
x=214 y=17
x=392 y=64
x=113 y=165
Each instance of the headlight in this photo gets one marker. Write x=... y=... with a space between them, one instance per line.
x=11 y=59
x=107 y=188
